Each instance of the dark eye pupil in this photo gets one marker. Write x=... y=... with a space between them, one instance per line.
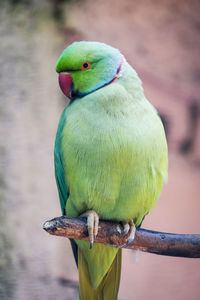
x=85 y=65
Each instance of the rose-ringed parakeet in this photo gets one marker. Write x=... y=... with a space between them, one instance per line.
x=110 y=156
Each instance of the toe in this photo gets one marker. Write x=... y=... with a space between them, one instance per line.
x=92 y=225
x=96 y=225
x=126 y=228
x=132 y=232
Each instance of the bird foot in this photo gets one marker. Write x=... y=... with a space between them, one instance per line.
x=92 y=225
x=129 y=227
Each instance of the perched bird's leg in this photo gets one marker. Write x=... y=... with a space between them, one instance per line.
x=129 y=227
x=92 y=224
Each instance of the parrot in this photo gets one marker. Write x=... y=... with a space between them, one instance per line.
x=111 y=157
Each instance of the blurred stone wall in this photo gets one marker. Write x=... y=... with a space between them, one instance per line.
x=161 y=40
x=30 y=106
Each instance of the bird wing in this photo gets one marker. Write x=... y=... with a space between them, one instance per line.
x=59 y=165
x=60 y=174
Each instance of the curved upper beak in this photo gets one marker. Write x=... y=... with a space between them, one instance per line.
x=65 y=82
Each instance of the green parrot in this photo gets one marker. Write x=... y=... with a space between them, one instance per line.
x=110 y=156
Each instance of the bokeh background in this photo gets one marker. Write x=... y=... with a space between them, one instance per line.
x=161 y=39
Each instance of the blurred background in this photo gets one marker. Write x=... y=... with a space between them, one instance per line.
x=161 y=40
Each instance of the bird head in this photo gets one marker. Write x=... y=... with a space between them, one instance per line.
x=85 y=67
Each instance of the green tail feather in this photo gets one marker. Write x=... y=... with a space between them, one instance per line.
x=108 y=288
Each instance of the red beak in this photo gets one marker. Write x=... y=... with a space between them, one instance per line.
x=65 y=82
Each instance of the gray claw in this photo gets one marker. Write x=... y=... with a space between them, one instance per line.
x=92 y=225
x=131 y=228
x=130 y=241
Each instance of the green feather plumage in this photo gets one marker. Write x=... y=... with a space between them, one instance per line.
x=110 y=156
x=59 y=166
x=109 y=286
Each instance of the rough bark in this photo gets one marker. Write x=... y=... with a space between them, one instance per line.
x=111 y=233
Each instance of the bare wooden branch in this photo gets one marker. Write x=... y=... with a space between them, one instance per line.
x=111 y=233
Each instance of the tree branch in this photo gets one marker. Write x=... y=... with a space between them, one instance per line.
x=111 y=233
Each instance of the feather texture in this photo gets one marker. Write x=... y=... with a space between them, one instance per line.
x=111 y=157
x=109 y=286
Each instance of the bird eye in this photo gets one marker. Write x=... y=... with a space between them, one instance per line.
x=85 y=66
